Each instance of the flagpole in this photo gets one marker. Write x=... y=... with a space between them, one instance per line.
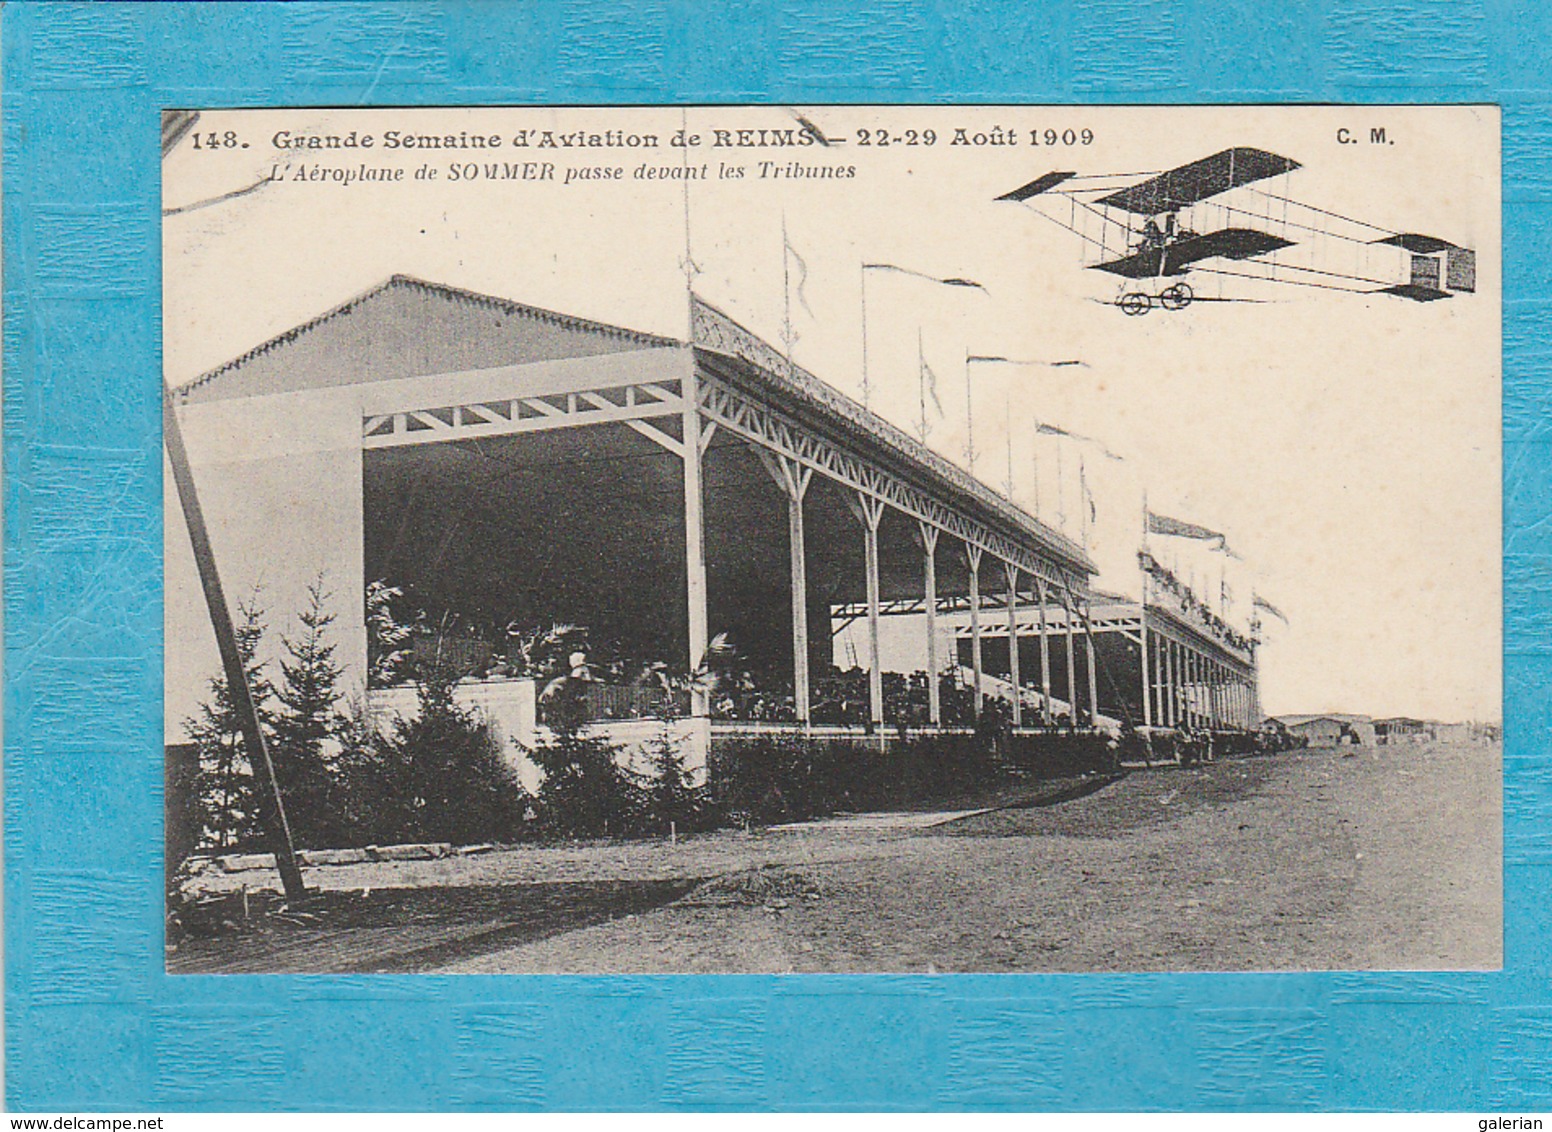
x=786 y=294
x=969 y=417
x=1008 y=422
x=1061 y=490
x=1083 y=502
x=1034 y=468
x=921 y=383
x=689 y=259
x=864 y=273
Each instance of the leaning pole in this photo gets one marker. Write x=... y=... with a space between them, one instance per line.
x=274 y=809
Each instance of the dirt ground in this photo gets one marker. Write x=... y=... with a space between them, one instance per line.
x=1388 y=858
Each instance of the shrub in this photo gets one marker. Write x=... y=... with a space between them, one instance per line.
x=670 y=799
x=229 y=800
x=585 y=792
x=792 y=778
x=442 y=776
x=305 y=725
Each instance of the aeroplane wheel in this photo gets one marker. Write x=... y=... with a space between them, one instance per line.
x=1134 y=302
x=1176 y=297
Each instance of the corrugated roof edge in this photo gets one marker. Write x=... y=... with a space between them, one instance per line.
x=457 y=294
x=828 y=397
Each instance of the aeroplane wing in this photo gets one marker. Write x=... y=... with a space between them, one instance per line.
x=1177 y=258
x=1417 y=244
x=1037 y=186
x=1417 y=292
x=1188 y=184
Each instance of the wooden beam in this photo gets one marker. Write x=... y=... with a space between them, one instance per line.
x=272 y=805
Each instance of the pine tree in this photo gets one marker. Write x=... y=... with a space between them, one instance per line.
x=673 y=801
x=585 y=792
x=449 y=778
x=306 y=723
x=228 y=789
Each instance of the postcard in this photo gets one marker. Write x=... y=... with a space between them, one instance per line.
x=833 y=539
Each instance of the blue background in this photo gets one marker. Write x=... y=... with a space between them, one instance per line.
x=91 y=1020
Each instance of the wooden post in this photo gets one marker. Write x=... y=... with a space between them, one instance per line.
x=792 y=479
x=1045 y=656
x=272 y=807
x=798 y=573
x=869 y=512
x=1147 y=674
x=695 y=541
x=1172 y=682
x=1072 y=665
x=1088 y=641
x=929 y=542
x=973 y=560
x=1158 y=682
x=1194 y=669
x=1013 y=644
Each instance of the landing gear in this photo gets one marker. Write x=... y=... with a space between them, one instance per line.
x=1177 y=296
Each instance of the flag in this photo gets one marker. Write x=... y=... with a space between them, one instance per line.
x=1052 y=430
x=950 y=281
x=1088 y=496
x=1262 y=603
x=802 y=269
x=1164 y=525
x=931 y=380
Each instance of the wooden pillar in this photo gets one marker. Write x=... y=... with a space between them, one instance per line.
x=1187 y=688
x=869 y=511
x=1161 y=650
x=792 y=479
x=798 y=574
x=1088 y=641
x=1171 y=698
x=695 y=542
x=1147 y=673
x=1072 y=666
x=1013 y=644
x=929 y=542
x=1194 y=664
x=973 y=560
x=1188 y=684
x=1045 y=656
x=1182 y=712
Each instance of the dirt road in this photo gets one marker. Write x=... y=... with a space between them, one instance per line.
x=1390 y=858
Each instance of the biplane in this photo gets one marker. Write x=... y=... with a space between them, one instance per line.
x=1216 y=216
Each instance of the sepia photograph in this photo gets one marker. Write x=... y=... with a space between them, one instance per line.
x=832 y=539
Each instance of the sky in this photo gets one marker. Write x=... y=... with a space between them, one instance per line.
x=1346 y=444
